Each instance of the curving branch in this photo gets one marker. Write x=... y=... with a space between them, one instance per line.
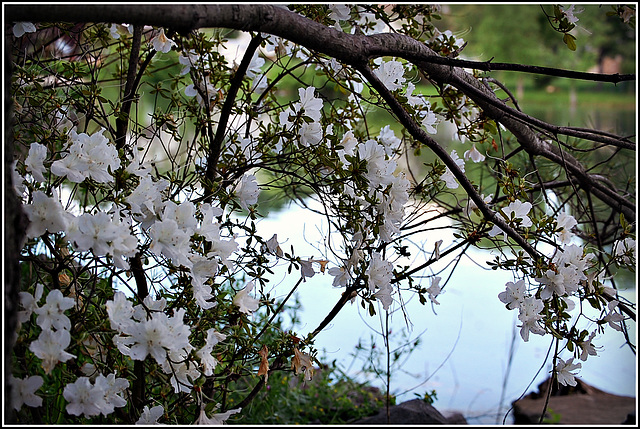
x=354 y=50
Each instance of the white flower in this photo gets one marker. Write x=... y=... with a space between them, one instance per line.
x=182 y=375
x=209 y=90
x=309 y=105
x=389 y=140
x=391 y=74
x=529 y=315
x=150 y=416
x=612 y=317
x=569 y=13
x=17 y=179
x=434 y=290
x=247 y=303
x=46 y=214
x=474 y=154
x=520 y=210
x=120 y=311
x=29 y=303
x=384 y=295
x=379 y=272
x=35 y=159
x=183 y=214
x=51 y=314
x=93 y=231
x=514 y=295
x=23 y=391
x=50 y=347
x=146 y=200
x=625 y=250
x=20 y=28
x=415 y=100
x=306 y=268
x=472 y=206
x=588 y=349
x=448 y=177
x=341 y=276
x=310 y=133
x=112 y=387
x=564 y=223
x=348 y=144
x=84 y=398
x=204 y=354
x=255 y=67
x=145 y=338
x=563 y=371
x=162 y=43
x=247 y=191
x=429 y=121
x=216 y=419
x=171 y=241
x=88 y=156
x=113 y=31
x=339 y=12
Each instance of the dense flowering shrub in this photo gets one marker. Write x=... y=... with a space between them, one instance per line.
x=145 y=291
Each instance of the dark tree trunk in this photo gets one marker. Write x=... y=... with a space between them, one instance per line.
x=15 y=223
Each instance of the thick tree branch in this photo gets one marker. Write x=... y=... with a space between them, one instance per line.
x=348 y=48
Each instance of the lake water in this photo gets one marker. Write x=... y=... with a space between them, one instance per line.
x=465 y=342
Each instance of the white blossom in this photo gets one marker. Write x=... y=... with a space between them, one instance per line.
x=391 y=74
x=625 y=249
x=162 y=43
x=49 y=347
x=379 y=272
x=474 y=154
x=20 y=28
x=448 y=177
x=88 y=156
x=51 y=314
x=529 y=315
x=309 y=105
x=45 y=214
x=34 y=161
x=514 y=294
x=209 y=362
x=564 y=223
x=23 y=391
x=563 y=371
x=215 y=419
x=168 y=239
x=246 y=303
x=434 y=290
x=150 y=416
x=247 y=191
x=588 y=349
x=519 y=210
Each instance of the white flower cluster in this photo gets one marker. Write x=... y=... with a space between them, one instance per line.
x=88 y=156
x=100 y=397
x=386 y=196
x=54 y=337
x=514 y=211
x=83 y=397
x=309 y=106
x=145 y=330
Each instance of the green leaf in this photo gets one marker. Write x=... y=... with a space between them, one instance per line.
x=570 y=41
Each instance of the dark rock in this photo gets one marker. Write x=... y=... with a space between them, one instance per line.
x=578 y=405
x=414 y=412
x=455 y=418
